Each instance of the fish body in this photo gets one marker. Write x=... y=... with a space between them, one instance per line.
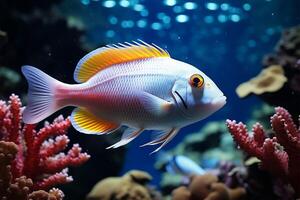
x=135 y=85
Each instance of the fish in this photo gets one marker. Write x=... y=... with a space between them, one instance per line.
x=180 y=164
x=134 y=85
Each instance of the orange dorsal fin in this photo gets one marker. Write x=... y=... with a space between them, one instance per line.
x=109 y=55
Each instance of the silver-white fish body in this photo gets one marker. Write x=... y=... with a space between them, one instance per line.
x=154 y=93
x=122 y=89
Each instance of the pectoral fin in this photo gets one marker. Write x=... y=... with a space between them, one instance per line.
x=85 y=122
x=128 y=135
x=154 y=104
x=164 y=138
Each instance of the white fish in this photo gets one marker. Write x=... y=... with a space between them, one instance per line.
x=183 y=165
x=135 y=85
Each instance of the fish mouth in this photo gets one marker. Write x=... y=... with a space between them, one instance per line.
x=182 y=100
x=221 y=100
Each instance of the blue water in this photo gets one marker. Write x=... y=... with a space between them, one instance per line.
x=225 y=39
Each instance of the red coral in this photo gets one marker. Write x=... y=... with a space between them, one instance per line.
x=39 y=156
x=280 y=154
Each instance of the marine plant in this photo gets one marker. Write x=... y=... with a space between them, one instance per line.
x=35 y=159
x=279 y=154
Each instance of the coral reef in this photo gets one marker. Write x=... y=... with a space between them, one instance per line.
x=286 y=55
x=19 y=188
x=36 y=160
x=279 y=154
x=131 y=186
x=207 y=187
x=270 y=79
x=206 y=147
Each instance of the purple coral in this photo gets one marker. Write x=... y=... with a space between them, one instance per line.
x=280 y=154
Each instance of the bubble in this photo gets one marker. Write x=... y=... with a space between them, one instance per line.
x=109 y=3
x=110 y=33
x=222 y=18
x=251 y=43
x=235 y=18
x=141 y=23
x=166 y=19
x=138 y=7
x=190 y=5
x=224 y=6
x=212 y=6
x=270 y=31
x=144 y=13
x=85 y=2
x=177 y=9
x=208 y=19
x=156 y=26
x=124 y=3
x=160 y=15
x=113 y=20
x=127 y=24
x=170 y=2
x=247 y=6
x=182 y=18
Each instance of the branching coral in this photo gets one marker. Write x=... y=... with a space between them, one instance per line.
x=280 y=154
x=37 y=153
x=20 y=188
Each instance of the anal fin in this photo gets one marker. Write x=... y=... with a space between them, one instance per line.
x=86 y=122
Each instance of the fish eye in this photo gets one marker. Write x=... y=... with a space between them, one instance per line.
x=197 y=81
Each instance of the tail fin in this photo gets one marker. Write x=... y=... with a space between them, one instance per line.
x=41 y=101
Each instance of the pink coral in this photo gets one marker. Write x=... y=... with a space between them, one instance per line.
x=39 y=154
x=280 y=154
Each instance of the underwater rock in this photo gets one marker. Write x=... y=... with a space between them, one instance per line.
x=286 y=92
x=20 y=188
x=131 y=186
x=270 y=79
x=54 y=45
x=38 y=155
x=207 y=187
x=280 y=154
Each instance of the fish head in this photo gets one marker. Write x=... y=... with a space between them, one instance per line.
x=197 y=95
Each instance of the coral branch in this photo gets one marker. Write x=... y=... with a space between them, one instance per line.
x=56 y=179
x=30 y=159
x=280 y=154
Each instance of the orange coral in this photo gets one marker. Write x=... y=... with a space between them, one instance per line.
x=207 y=187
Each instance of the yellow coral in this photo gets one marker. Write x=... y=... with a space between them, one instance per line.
x=270 y=79
x=130 y=187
